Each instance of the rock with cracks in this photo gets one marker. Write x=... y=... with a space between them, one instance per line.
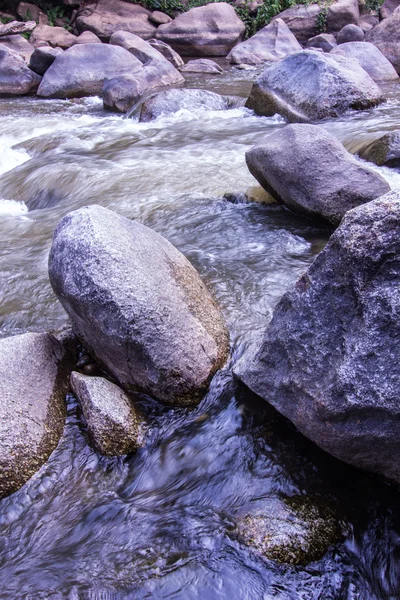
x=329 y=360
x=111 y=418
x=308 y=170
x=307 y=86
x=33 y=381
x=138 y=305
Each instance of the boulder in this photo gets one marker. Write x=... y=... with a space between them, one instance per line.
x=122 y=92
x=388 y=8
x=210 y=30
x=370 y=58
x=138 y=305
x=82 y=69
x=16 y=27
x=33 y=381
x=367 y=22
x=30 y=12
x=87 y=37
x=111 y=418
x=386 y=37
x=305 y=20
x=43 y=58
x=58 y=37
x=16 y=79
x=202 y=65
x=350 y=33
x=171 y=101
x=329 y=358
x=136 y=46
x=385 y=151
x=324 y=41
x=308 y=85
x=159 y=18
x=167 y=52
x=270 y=44
x=18 y=44
x=105 y=17
x=308 y=170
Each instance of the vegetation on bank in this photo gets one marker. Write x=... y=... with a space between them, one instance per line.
x=254 y=15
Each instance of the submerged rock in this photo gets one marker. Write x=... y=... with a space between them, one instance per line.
x=82 y=70
x=210 y=30
x=385 y=151
x=293 y=531
x=138 y=305
x=170 y=101
x=16 y=78
x=308 y=85
x=329 y=360
x=33 y=379
x=110 y=415
x=269 y=44
x=370 y=58
x=308 y=170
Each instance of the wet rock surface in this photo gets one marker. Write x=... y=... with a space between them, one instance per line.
x=385 y=151
x=329 y=358
x=138 y=305
x=111 y=418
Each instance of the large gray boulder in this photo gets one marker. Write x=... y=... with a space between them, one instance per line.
x=16 y=78
x=82 y=70
x=171 y=101
x=138 y=305
x=308 y=170
x=386 y=37
x=307 y=85
x=385 y=151
x=210 y=30
x=18 y=44
x=112 y=421
x=105 y=17
x=370 y=58
x=329 y=360
x=57 y=37
x=269 y=44
x=33 y=380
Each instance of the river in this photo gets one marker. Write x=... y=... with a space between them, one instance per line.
x=161 y=523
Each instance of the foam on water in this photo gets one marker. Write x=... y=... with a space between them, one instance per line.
x=12 y=208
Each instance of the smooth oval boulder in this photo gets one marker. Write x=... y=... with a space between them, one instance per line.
x=386 y=37
x=57 y=37
x=138 y=305
x=16 y=78
x=171 y=101
x=43 y=58
x=385 y=151
x=105 y=17
x=350 y=33
x=308 y=170
x=112 y=421
x=82 y=69
x=307 y=86
x=210 y=30
x=269 y=44
x=370 y=59
x=329 y=360
x=33 y=380
x=202 y=65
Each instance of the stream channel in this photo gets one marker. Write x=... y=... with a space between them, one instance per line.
x=161 y=523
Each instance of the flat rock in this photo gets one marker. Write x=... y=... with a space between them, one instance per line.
x=202 y=65
x=385 y=151
x=87 y=37
x=82 y=70
x=386 y=37
x=112 y=421
x=15 y=27
x=18 y=44
x=105 y=17
x=329 y=360
x=171 y=101
x=307 y=86
x=32 y=409
x=138 y=305
x=268 y=45
x=54 y=36
x=370 y=59
x=16 y=78
x=308 y=170
x=210 y=30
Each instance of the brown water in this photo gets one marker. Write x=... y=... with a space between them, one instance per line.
x=160 y=524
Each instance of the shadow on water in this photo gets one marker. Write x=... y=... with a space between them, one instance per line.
x=163 y=523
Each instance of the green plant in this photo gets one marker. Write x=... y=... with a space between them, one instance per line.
x=373 y=5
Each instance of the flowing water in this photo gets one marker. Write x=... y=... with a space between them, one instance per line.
x=162 y=523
